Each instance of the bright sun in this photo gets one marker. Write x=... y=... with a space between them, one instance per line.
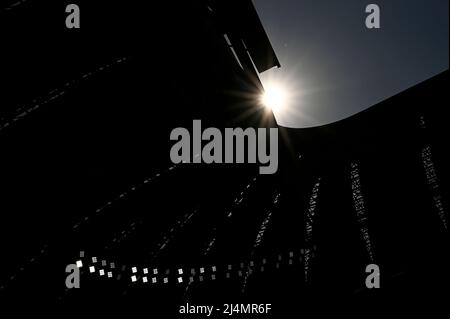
x=274 y=98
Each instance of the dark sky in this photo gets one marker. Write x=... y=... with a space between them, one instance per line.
x=335 y=67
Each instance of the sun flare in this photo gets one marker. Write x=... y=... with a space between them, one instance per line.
x=274 y=98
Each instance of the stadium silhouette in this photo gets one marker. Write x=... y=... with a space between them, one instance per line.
x=89 y=171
